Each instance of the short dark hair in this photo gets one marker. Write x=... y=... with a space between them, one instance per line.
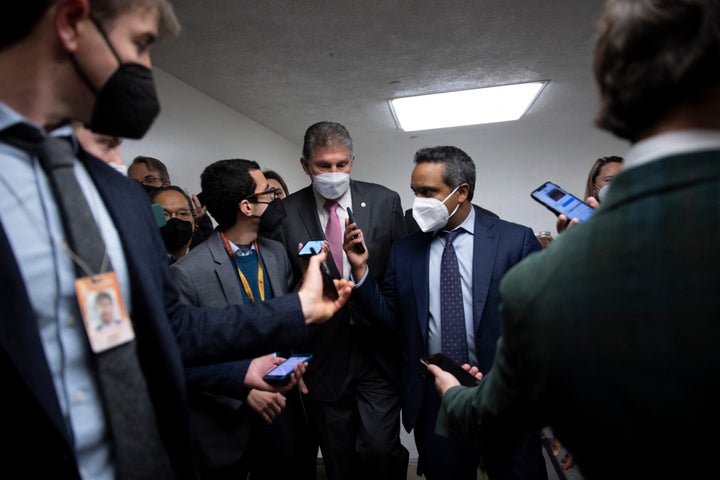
x=153 y=164
x=459 y=167
x=224 y=185
x=27 y=13
x=159 y=190
x=326 y=134
x=652 y=56
x=276 y=176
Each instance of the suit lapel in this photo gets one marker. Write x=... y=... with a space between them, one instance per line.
x=361 y=206
x=225 y=270
x=308 y=216
x=273 y=272
x=418 y=261
x=485 y=245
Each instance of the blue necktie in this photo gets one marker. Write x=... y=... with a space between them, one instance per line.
x=452 y=314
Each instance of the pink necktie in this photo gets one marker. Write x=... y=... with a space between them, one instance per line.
x=333 y=234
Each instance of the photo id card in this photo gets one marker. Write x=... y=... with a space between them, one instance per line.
x=103 y=311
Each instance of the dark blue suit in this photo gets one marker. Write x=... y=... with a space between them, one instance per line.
x=35 y=437
x=402 y=305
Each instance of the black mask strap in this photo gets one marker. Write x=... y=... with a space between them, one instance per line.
x=76 y=65
x=105 y=37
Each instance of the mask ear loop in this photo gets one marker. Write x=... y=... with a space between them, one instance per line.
x=105 y=37
x=451 y=193
x=107 y=42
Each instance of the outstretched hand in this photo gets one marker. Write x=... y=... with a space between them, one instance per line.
x=316 y=307
x=445 y=380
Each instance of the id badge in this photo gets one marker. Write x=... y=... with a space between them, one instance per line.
x=103 y=311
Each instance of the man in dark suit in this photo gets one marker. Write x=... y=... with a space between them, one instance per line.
x=410 y=303
x=610 y=335
x=56 y=419
x=238 y=431
x=352 y=379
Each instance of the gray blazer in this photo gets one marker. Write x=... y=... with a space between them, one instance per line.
x=206 y=276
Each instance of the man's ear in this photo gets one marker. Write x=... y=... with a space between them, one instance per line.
x=71 y=17
x=463 y=192
x=305 y=166
x=245 y=208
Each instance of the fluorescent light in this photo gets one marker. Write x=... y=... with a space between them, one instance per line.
x=465 y=107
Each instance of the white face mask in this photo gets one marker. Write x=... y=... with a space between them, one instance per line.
x=120 y=168
x=602 y=192
x=331 y=186
x=431 y=214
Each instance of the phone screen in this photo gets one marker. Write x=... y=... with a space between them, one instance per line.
x=560 y=201
x=311 y=247
x=282 y=372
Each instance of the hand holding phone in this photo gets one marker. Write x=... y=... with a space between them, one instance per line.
x=313 y=247
x=358 y=247
x=283 y=372
x=559 y=201
x=462 y=375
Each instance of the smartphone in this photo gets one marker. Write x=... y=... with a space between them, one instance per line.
x=559 y=201
x=158 y=215
x=311 y=247
x=448 y=365
x=281 y=373
x=358 y=247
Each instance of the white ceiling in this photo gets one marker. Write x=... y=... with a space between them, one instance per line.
x=287 y=64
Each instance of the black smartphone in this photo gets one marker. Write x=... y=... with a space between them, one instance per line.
x=560 y=201
x=448 y=365
x=281 y=373
x=311 y=247
x=358 y=247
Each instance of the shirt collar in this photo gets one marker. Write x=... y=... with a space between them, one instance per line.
x=9 y=117
x=671 y=143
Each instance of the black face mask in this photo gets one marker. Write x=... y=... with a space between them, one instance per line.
x=176 y=233
x=127 y=104
x=149 y=189
x=272 y=217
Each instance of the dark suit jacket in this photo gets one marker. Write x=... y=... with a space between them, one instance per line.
x=206 y=277
x=610 y=335
x=379 y=214
x=168 y=332
x=402 y=304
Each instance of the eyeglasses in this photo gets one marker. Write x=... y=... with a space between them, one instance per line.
x=149 y=180
x=270 y=191
x=182 y=214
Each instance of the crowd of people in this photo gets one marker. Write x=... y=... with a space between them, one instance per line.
x=140 y=320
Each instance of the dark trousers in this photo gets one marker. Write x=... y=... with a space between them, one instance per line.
x=359 y=433
x=442 y=458
x=273 y=451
